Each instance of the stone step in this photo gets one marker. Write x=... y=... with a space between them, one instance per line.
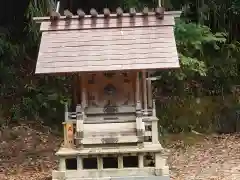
x=132 y=173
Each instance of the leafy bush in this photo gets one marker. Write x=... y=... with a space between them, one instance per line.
x=199 y=114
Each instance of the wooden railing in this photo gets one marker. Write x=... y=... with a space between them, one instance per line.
x=146 y=126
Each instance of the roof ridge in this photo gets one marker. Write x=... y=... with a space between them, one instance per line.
x=159 y=13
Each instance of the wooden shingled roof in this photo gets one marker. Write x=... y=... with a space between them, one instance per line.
x=107 y=42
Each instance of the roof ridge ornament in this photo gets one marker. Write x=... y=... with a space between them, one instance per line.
x=69 y=17
x=119 y=12
x=132 y=12
x=55 y=15
x=68 y=14
x=80 y=13
x=106 y=12
x=145 y=11
x=93 y=13
x=159 y=12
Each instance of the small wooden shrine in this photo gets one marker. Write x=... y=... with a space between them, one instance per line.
x=113 y=133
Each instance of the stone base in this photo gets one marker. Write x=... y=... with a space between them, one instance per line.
x=124 y=178
x=141 y=170
x=113 y=174
x=147 y=147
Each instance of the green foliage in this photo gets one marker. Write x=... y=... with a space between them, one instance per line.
x=209 y=64
x=8 y=54
x=192 y=41
x=23 y=95
x=208 y=48
x=45 y=101
x=36 y=8
x=219 y=15
x=236 y=7
x=190 y=113
x=139 y=4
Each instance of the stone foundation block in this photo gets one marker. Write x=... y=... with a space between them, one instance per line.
x=58 y=175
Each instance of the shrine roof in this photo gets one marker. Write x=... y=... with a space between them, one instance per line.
x=127 y=42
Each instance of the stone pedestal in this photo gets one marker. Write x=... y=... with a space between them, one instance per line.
x=153 y=168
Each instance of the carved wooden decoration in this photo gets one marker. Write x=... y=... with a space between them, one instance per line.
x=126 y=80
x=124 y=74
x=110 y=89
x=110 y=110
x=92 y=94
x=109 y=74
x=92 y=79
x=92 y=99
x=110 y=140
x=114 y=87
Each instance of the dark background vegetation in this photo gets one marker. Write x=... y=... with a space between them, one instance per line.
x=201 y=96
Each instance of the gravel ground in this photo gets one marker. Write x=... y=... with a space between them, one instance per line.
x=28 y=154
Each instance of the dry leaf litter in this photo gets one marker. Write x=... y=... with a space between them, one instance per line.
x=27 y=153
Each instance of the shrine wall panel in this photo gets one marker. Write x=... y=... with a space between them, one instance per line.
x=110 y=89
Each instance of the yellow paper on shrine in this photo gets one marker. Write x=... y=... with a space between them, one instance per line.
x=69 y=131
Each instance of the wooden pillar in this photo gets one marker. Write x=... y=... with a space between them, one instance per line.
x=154 y=108
x=144 y=92
x=155 y=132
x=137 y=89
x=160 y=161
x=78 y=91
x=79 y=163
x=139 y=122
x=99 y=162
x=160 y=165
x=149 y=88
x=79 y=125
x=120 y=161
x=62 y=164
x=74 y=91
x=141 y=160
x=84 y=91
x=65 y=134
x=66 y=112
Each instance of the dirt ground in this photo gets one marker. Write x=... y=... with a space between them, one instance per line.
x=27 y=153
